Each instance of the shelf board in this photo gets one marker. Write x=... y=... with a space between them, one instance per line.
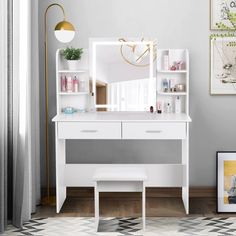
x=73 y=71
x=172 y=93
x=172 y=71
x=73 y=93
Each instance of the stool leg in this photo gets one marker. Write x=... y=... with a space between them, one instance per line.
x=144 y=206
x=96 y=206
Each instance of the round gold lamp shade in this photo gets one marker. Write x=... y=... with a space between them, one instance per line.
x=64 y=31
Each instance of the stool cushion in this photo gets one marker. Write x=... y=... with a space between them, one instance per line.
x=120 y=174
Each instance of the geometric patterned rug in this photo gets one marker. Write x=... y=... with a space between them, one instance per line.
x=84 y=226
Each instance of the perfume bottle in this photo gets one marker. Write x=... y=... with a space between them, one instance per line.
x=75 y=85
x=69 y=84
x=168 y=107
x=159 y=107
x=82 y=85
x=92 y=103
x=151 y=109
x=165 y=85
x=177 y=105
x=63 y=83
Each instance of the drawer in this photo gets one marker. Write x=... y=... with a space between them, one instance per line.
x=89 y=130
x=156 y=130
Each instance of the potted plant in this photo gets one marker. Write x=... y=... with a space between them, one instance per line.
x=72 y=55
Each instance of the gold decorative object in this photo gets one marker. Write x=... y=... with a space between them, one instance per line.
x=140 y=52
x=64 y=32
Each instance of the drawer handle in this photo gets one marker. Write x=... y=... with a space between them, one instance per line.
x=153 y=131
x=89 y=131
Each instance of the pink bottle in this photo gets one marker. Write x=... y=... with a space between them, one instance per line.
x=69 y=84
x=75 y=85
x=63 y=83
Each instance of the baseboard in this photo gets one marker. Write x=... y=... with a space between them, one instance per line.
x=194 y=192
x=202 y=192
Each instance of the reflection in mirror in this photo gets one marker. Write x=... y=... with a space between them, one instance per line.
x=117 y=84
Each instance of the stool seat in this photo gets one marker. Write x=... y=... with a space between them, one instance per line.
x=120 y=174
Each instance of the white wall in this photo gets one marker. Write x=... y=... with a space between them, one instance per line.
x=176 y=24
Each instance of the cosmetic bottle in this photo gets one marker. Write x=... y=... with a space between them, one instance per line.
x=165 y=85
x=168 y=107
x=177 y=105
x=159 y=107
x=82 y=85
x=75 y=85
x=92 y=103
x=63 y=83
x=169 y=85
x=69 y=84
x=151 y=109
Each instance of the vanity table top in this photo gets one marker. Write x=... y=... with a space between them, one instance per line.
x=121 y=117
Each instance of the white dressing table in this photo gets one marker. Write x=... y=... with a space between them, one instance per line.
x=117 y=126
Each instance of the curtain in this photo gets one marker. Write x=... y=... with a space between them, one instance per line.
x=3 y=114
x=26 y=174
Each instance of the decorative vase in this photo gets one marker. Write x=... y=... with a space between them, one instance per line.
x=73 y=64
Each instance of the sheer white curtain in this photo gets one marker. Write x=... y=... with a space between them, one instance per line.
x=26 y=174
x=3 y=114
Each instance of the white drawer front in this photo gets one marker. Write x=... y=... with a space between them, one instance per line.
x=89 y=130
x=158 y=130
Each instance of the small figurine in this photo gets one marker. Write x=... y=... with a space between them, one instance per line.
x=173 y=67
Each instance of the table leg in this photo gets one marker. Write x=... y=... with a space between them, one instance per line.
x=185 y=162
x=96 y=206
x=144 y=206
x=60 y=171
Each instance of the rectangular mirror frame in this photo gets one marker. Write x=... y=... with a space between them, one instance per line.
x=93 y=54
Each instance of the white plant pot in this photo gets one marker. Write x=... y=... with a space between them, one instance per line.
x=73 y=64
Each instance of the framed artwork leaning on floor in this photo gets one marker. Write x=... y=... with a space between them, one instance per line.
x=226 y=181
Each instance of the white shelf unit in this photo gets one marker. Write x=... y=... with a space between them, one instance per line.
x=176 y=76
x=77 y=100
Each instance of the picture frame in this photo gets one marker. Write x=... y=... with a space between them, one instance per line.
x=222 y=65
x=226 y=181
x=222 y=14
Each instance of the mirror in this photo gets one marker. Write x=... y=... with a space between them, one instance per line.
x=122 y=74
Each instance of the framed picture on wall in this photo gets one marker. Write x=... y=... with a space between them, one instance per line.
x=223 y=65
x=226 y=182
x=223 y=13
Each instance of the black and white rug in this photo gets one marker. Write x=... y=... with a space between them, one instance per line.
x=126 y=226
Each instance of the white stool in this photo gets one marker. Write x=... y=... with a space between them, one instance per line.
x=119 y=179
